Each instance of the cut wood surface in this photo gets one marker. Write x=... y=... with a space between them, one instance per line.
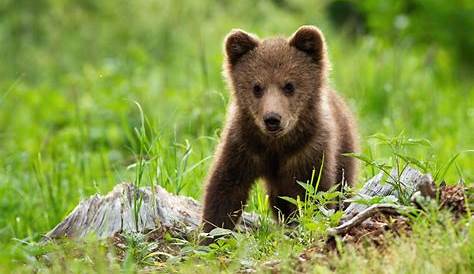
x=156 y=208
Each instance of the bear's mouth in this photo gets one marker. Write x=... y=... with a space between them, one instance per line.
x=272 y=129
x=275 y=132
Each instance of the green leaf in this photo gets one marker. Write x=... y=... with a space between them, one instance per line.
x=336 y=217
x=412 y=161
x=307 y=186
x=421 y=141
x=289 y=199
x=218 y=232
x=382 y=138
x=331 y=195
x=360 y=156
x=369 y=200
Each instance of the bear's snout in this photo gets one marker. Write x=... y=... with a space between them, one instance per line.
x=272 y=121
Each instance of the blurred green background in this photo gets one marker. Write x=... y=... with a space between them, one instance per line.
x=72 y=72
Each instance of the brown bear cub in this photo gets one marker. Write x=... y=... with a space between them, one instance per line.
x=282 y=122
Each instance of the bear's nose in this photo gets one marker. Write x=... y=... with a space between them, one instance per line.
x=272 y=121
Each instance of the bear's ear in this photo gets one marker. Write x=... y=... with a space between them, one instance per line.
x=309 y=40
x=237 y=43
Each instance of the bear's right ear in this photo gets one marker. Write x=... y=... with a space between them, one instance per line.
x=237 y=44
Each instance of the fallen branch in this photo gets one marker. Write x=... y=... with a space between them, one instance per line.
x=364 y=215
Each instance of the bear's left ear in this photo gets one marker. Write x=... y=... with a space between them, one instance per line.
x=310 y=40
x=237 y=44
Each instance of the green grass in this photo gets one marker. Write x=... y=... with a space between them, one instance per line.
x=70 y=126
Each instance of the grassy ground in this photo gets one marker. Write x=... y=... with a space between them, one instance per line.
x=75 y=78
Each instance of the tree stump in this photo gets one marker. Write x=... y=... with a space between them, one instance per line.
x=154 y=208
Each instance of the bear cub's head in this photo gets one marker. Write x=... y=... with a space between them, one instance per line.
x=276 y=80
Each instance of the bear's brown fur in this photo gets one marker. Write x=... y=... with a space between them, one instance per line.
x=282 y=119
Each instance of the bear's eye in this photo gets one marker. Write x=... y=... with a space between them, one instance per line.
x=289 y=89
x=257 y=90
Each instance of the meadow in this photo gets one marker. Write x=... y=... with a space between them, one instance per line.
x=89 y=89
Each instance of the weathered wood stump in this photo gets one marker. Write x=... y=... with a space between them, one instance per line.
x=130 y=209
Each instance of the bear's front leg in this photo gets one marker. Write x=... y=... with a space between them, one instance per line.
x=228 y=188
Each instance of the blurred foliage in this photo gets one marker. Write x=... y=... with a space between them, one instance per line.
x=432 y=23
x=72 y=70
x=37 y=34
